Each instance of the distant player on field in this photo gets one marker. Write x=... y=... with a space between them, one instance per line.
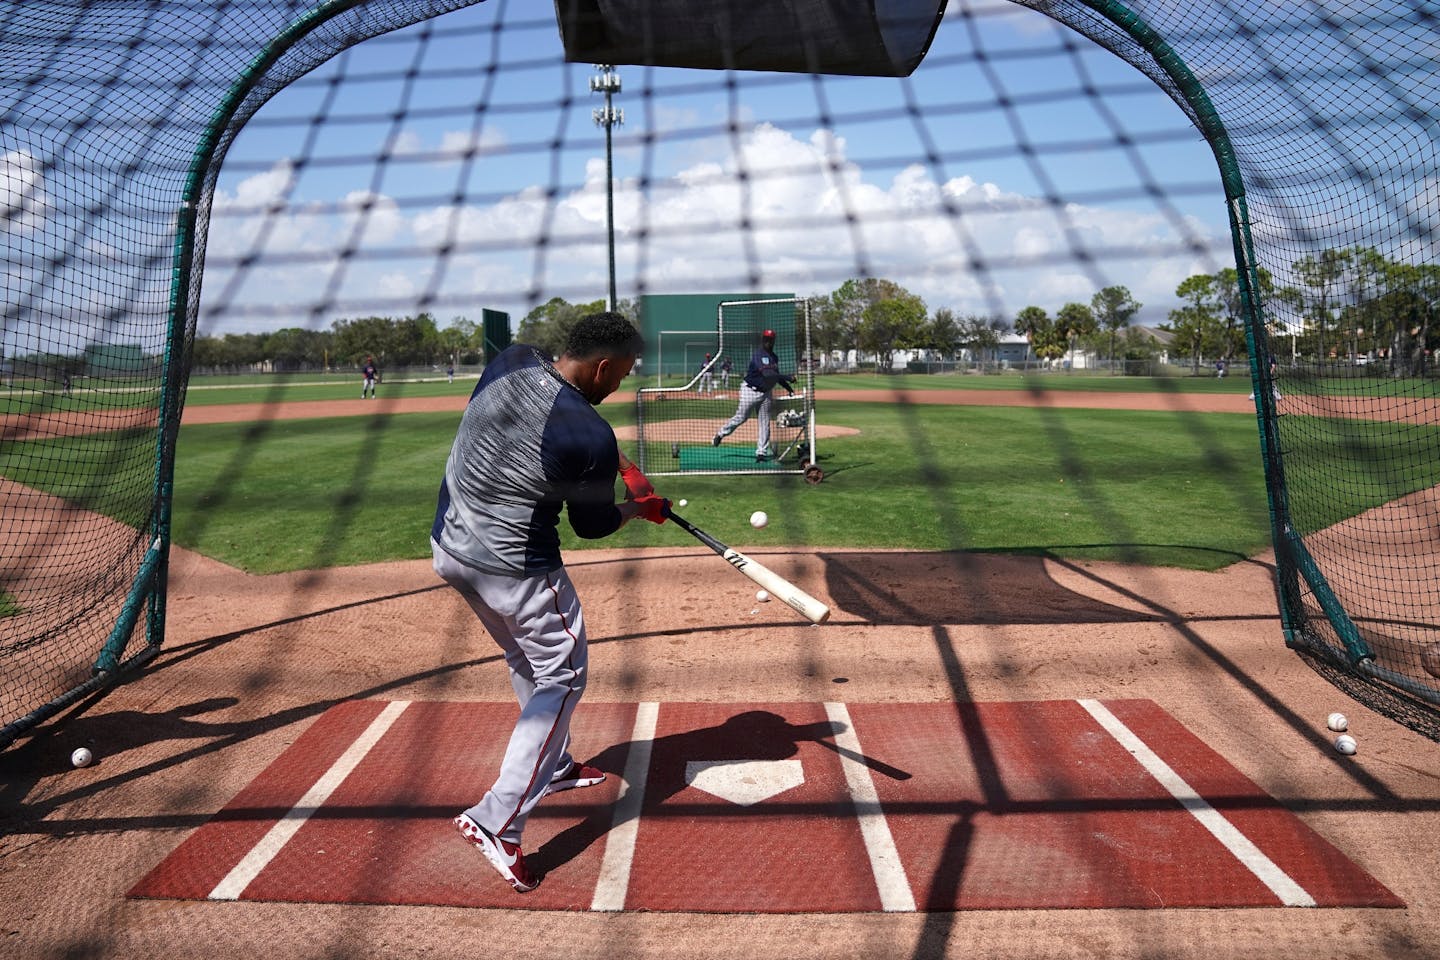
x=707 y=377
x=761 y=377
x=529 y=444
x=371 y=376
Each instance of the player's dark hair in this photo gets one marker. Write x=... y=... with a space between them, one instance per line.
x=603 y=334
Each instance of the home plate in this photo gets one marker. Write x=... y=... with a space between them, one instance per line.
x=744 y=782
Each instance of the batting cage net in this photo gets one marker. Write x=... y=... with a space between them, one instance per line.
x=726 y=417
x=117 y=118
x=258 y=182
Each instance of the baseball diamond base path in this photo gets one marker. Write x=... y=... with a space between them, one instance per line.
x=252 y=665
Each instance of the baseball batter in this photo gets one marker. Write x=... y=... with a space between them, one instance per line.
x=761 y=377
x=530 y=442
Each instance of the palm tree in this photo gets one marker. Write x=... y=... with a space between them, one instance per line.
x=1030 y=323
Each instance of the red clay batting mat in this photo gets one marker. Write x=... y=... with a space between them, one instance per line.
x=773 y=808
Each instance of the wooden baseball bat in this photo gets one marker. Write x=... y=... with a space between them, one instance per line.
x=780 y=588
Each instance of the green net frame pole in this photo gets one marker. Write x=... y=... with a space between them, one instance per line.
x=1291 y=556
x=182 y=303
x=148 y=590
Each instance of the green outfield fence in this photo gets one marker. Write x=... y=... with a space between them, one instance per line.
x=120 y=118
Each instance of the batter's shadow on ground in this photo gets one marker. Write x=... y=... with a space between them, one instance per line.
x=751 y=735
x=47 y=754
x=919 y=588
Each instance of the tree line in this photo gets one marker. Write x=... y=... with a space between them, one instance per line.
x=1356 y=302
x=1345 y=303
x=392 y=341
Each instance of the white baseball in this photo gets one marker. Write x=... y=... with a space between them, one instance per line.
x=758 y=519
x=684 y=503
x=1345 y=744
x=81 y=757
x=1337 y=722
x=761 y=595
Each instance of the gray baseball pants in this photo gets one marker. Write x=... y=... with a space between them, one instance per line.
x=537 y=623
x=750 y=398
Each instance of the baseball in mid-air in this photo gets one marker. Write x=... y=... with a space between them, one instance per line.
x=1345 y=744
x=758 y=519
x=684 y=502
x=81 y=757
x=761 y=595
x=1337 y=722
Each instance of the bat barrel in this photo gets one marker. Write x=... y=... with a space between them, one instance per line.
x=804 y=604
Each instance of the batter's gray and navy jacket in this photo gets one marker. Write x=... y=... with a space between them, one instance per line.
x=528 y=444
x=764 y=372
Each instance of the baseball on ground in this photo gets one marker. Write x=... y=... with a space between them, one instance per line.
x=1337 y=722
x=758 y=519
x=1345 y=744
x=81 y=757
x=761 y=595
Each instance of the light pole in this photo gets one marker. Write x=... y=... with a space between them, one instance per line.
x=607 y=81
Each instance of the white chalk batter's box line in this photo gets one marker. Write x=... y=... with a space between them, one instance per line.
x=891 y=882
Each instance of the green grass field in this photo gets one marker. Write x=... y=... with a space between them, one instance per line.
x=262 y=388
x=1166 y=488
x=1148 y=487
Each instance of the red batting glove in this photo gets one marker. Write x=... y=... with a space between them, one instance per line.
x=653 y=508
x=636 y=483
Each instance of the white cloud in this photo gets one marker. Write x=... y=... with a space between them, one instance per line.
x=23 y=200
x=489 y=140
x=779 y=212
x=452 y=145
x=370 y=218
x=407 y=142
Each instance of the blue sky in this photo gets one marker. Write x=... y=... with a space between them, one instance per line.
x=723 y=181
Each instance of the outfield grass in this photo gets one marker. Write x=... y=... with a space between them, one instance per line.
x=1075 y=381
x=1167 y=487
x=279 y=388
x=206 y=392
x=1146 y=487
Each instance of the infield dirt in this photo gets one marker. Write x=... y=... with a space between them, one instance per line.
x=250 y=662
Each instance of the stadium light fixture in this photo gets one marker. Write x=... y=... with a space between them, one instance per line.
x=607 y=81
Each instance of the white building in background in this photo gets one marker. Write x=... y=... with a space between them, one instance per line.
x=1012 y=352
